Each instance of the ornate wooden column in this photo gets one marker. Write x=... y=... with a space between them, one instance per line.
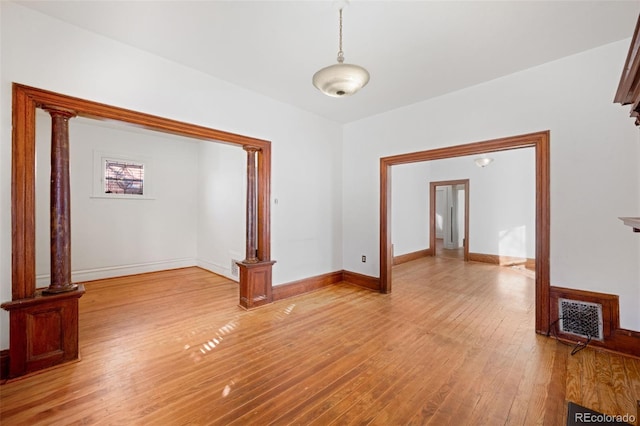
x=60 y=218
x=251 y=252
x=255 y=274
x=44 y=323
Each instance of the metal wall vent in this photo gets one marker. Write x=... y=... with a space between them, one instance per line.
x=580 y=318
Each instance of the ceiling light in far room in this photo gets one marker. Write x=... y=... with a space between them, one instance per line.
x=483 y=161
x=341 y=79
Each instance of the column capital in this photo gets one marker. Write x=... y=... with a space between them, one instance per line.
x=250 y=148
x=58 y=111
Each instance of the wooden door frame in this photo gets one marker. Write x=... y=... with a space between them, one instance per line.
x=432 y=213
x=540 y=141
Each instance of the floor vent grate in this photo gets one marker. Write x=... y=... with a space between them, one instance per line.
x=580 y=318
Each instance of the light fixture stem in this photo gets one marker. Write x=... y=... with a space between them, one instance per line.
x=340 y=52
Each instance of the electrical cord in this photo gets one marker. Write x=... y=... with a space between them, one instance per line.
x=578 y=346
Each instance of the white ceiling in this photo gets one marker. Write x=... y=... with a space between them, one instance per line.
x=414 y=50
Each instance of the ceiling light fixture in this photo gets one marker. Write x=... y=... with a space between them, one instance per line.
x=341 y=79
x=483 y=161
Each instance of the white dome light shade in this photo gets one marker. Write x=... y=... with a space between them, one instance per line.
x=483 y=161
x=341 y=79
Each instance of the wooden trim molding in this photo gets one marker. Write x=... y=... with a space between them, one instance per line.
x=4 y=364
x=360 y=280
x=615 y=338
x=540 y=142
x=306 y=285
x=386 y=248
x=23 y=199
x=496 y=259
x=408 y=257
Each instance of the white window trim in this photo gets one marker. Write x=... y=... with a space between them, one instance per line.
x=100 y=157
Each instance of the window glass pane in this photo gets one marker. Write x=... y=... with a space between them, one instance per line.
x=123 y=177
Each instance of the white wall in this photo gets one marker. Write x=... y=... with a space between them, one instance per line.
x=594 y=164
x=501 y=202
x=410 y=207
x=221 y=206
x=43 y=52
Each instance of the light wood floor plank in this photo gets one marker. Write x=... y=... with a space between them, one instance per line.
x=621 y=386
x=590 y=375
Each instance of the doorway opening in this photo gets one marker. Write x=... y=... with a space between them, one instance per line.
x=540 y=142
x=449 y=219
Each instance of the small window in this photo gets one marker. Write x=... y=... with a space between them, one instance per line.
x=123 y=177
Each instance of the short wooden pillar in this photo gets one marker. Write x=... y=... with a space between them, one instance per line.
x=43 y=331
x=255 y=288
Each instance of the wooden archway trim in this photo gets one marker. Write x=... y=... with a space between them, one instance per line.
x=25 y=101
x=540 y=142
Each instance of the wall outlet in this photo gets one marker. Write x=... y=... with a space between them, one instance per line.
x=364 y=259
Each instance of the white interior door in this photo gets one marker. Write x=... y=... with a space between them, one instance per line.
x=441 y=211
x=461 y=212
x=450 y=223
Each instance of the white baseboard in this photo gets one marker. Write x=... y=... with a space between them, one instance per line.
x=217 y=268
x=119 y=271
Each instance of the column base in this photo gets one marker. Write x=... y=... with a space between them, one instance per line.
x=43 y=331
x=255 y=284
x=61 y=289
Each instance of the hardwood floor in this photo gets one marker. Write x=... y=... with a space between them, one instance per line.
x=453 y=344
x=448 y=253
